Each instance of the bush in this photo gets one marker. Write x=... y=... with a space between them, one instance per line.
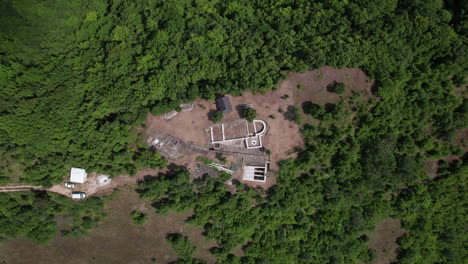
x=139 y=218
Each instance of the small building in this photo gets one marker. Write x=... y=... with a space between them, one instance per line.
x=78 y=175
x=256 y=173
x=224 y=105
x=186 y=107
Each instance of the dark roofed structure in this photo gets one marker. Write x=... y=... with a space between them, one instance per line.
x=224 y=105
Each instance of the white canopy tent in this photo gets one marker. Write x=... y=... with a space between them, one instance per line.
x=78 y=175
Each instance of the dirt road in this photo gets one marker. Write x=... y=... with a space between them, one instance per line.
x=91 y=187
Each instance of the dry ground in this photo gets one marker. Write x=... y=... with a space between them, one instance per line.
x=188 y=126
x=116 y=239
x=383 y=240
x=283 y=137
x=315 y=84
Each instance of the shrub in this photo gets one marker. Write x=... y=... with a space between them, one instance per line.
x=139 y=218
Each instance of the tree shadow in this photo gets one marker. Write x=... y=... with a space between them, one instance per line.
x=375 y=87
x=211 y=114
x=240 y=110
x=289 y=113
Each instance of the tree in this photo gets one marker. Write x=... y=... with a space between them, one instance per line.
x=336 y=87
x=181 y=245
x=250 y=114
x=217 y=117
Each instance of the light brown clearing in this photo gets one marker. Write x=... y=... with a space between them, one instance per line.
x=315 y=84
x=283 y=137
x=188 y=126
x=115 y=240
x=383 y=240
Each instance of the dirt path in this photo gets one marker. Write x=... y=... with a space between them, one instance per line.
x=91 y=187
x=25 y=188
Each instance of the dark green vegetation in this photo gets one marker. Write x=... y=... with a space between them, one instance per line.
x=34 y=215
x=77 y=77
x=183 y=248
x=336 y=87
x=217 y=117
x=138 y=218
x=435 y=214
x=250 y=114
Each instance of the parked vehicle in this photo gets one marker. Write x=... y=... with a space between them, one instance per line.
x=70 y=185
x=78 y=195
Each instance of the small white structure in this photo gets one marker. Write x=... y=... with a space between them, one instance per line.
x=170 y=115
x=220 y=167
x=255 y=173
x=186 y=107
x=78 y=175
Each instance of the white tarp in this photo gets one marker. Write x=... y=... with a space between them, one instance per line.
x=78 y=175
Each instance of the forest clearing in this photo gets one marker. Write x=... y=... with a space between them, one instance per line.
x=233 y=132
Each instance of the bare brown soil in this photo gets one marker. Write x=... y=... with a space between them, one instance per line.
x=282 y=135
x=315 y=84
x=383 y=240
x=188 y=126
x=236 y=129
x=115 y=240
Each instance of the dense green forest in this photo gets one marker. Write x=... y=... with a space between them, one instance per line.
x=77 y=77
x=34 y=215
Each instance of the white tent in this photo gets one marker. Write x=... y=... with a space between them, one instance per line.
x=78 y=175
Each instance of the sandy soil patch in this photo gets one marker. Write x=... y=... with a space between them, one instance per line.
x=383 y=240
x=115 y=240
